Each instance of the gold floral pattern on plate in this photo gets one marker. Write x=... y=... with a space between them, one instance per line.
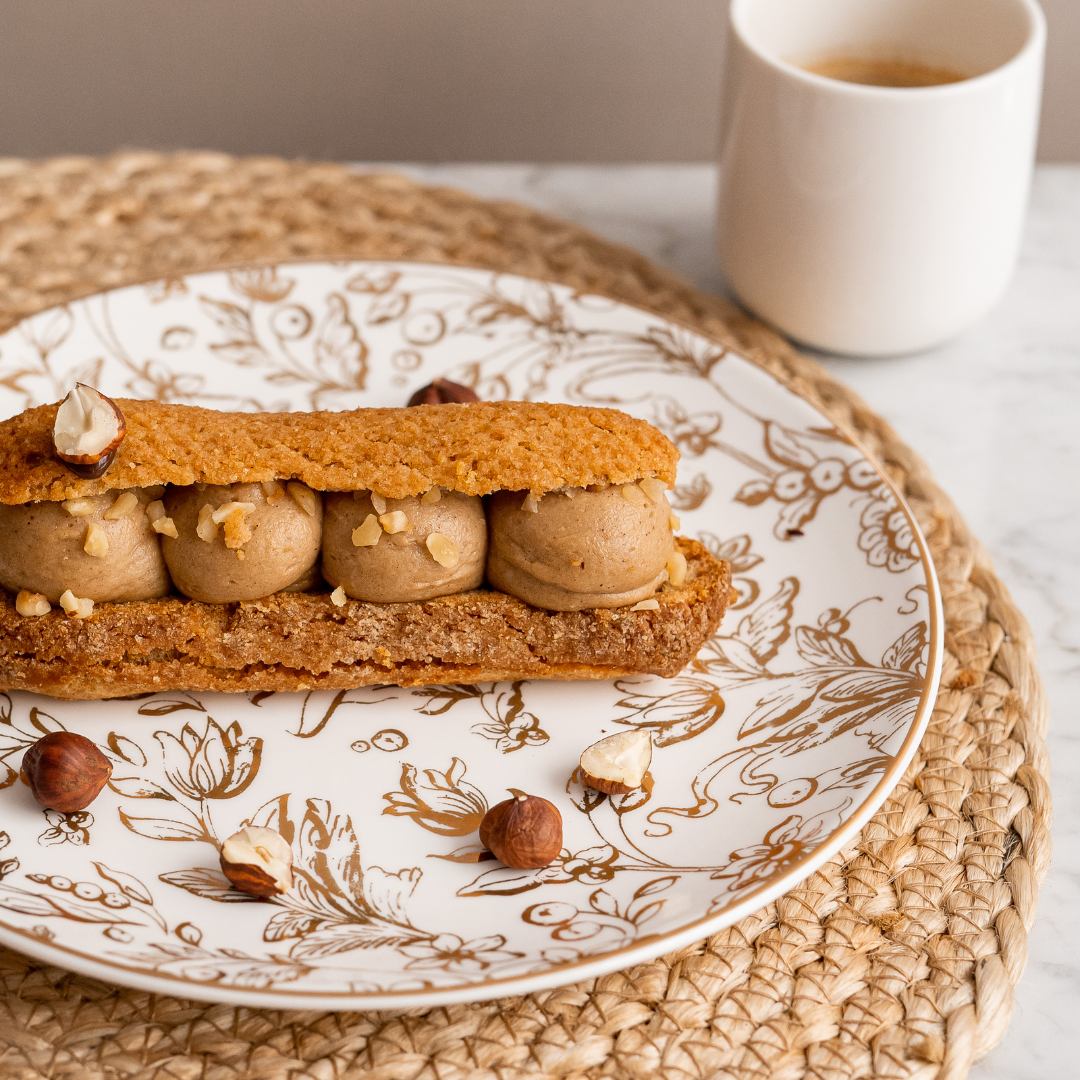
x=771 y=748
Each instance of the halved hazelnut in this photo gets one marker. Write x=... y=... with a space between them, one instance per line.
x=618 y=764
x=258 y=861
x=65 y=771
x=524 y=833
x=88 y=430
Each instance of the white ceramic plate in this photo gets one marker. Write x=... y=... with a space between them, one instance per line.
x=771 y=750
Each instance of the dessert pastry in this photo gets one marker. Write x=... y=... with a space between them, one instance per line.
x=458 y=542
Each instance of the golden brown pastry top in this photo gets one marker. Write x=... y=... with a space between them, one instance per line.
x=476 y=448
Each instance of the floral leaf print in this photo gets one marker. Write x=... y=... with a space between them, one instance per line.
x=906 y=653
x=218 y=764
x=757 y=639
x=375 y=280
x=683 y=709
x=511 y=726
x=165 y=828
x=448 y=952
x=69 y=828
x=692 y=496
x=823 y=649
x=446 y=804
x=312 y=721
x=446 y=696
x=341 y=356
x=49 y=330
x=261 y=283
x=209 y=883
x=241 y=345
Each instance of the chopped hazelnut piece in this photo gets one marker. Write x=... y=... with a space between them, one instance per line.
x=676 y=568
x=443 y=550
x=570 y=492
x=304 y=497
x=32 y=603
x=155 y=510
x=652 y=604
x=432 y=496
x=394 y=522
x=674 y=522
x=78 y=507
x=207 y=528
x=531 y=505
x=76 y=607
x=653 y=488
x=367 y=535
x=96 y=543
x=165 y=526
x=632 y=493
x=378 y=502
x=272 y=491
x=337 y=597
x=122 y=507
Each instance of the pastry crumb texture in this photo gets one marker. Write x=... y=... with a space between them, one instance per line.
x=476 y=448
x=303 y=641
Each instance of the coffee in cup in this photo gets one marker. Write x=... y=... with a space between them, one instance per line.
x=870 y=71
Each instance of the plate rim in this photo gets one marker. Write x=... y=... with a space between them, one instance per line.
x=644 y=949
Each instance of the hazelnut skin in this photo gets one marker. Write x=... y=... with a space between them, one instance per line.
x=258 y=861
x=524 y=832
x=443 y=392
x=66 y=771
x=251 y=879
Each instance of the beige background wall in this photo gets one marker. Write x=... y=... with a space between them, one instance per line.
x=421 y=80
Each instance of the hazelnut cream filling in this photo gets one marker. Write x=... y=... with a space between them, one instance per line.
x=574 y=548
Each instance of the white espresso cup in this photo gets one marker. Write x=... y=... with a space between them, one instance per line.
x=868 y=219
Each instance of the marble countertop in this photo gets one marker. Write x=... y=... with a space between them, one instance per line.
x=1010 y=459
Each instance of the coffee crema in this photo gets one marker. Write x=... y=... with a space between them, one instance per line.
x=877 y=72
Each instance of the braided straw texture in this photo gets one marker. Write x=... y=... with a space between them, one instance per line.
x=897 y=959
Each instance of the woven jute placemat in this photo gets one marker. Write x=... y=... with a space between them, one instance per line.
x=897 y=959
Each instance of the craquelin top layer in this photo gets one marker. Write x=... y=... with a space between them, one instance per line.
x=476 y=449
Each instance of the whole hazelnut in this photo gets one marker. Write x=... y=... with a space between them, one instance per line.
x=258 y=861
x=89 y=429
x=65 y=771
x=443 y=392
x=524 y=832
